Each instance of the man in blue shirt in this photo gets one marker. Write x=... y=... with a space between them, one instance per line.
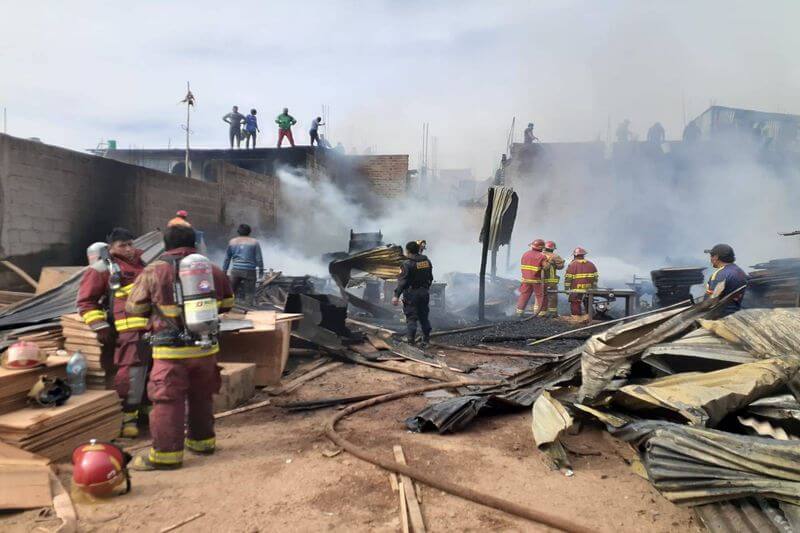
x=243 y=257
x=726 y=278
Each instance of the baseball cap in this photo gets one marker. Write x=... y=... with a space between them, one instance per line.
x=722 y=251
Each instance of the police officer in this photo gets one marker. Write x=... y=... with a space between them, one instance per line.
x=414 y=285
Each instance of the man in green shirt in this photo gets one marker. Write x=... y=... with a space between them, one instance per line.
x=285 y=122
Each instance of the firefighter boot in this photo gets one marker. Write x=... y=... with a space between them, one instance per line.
x=130 y=427
x=201 y=447
x=143 y=462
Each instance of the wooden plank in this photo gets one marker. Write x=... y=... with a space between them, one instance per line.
x=401 y=491
x=24 y=486
x=308 y=376
x=30 y=419
x=238 y=385
x=378 y=343
x=414 y=509
x=10 y=297
x=53 y=276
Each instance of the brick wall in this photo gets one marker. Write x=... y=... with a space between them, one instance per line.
x=387 y=175
x=55 y=202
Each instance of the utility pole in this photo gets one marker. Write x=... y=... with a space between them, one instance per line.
x=189 y=101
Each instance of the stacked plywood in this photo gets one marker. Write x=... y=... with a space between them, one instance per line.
x=49 y=340
x=15 y=384
x=79 y=336
x=55 y=431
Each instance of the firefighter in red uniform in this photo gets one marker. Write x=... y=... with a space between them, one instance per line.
x=551 y=279
x=185 y=372
x=581 y=275
x=532 y=265
x=102 y=294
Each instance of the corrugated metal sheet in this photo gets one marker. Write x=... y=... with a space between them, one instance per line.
x=60 y=300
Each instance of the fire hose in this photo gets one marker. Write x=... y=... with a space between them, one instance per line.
x=432 y=480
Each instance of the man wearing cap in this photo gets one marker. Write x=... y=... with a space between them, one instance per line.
x=180 y=219
x=726 y=278
x=532 y=265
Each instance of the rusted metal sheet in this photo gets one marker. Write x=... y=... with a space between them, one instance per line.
x=704 y=399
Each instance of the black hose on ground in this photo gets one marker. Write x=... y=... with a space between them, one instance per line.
x=433 y=481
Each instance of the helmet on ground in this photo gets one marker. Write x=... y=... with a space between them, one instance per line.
x=550 y=245
x=182 y=213
x=99 y=467
x=579 y=251
x=23 y=354
x=49 y=392
x=538 y=244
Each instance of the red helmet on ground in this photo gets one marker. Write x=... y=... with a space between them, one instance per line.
x=182 y=213
x=579 y=251
x=538 y=244
x=99 y=467
x=550 y=245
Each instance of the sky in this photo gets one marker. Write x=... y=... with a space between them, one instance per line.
x=76 y=73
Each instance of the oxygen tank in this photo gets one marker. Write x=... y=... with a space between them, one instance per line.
x=96 y=251
x=199 y=297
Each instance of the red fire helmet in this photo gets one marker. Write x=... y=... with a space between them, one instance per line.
x=538 y=244
x=550 y=245
x=579 y=251
x=182 y=213
x=99 y=467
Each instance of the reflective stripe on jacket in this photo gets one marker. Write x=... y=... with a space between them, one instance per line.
x=93 y=293
x=581 y=275
x=531 y=266
x=152 y=298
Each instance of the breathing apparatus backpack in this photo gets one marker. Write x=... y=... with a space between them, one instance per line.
x=195 y=296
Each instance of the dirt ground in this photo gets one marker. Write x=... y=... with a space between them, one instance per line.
x=271 y=474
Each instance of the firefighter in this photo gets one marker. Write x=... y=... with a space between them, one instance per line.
x=102 y=294
x=581 y=276
x=551 y=279
x=185 y=372
x=414 y=286
x=726 y=278
x=533 y=263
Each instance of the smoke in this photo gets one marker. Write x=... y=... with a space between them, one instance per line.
x=318 y=217
x=647 y=211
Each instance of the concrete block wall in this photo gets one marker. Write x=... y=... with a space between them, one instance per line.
x=159 y=196
x=247 y=197
x=51 y=197
x=54 y=202
x=387 y=175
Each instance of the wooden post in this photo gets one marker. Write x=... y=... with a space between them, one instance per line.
x=487 y=219
x=188 y=108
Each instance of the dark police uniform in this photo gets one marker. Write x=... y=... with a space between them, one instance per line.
x=414 y=285
x=734 y=278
